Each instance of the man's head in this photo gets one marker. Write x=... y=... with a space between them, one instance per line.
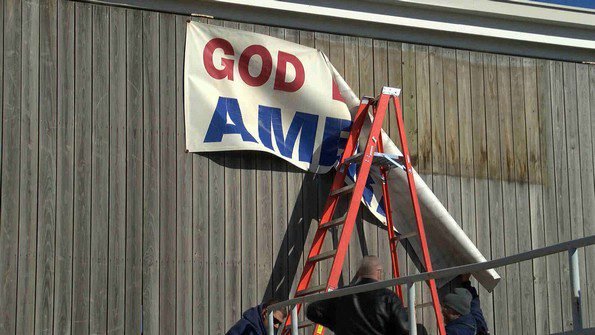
x=278 y=315
x=370 y=268
x=456 y=304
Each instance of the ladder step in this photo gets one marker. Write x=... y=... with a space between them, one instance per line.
x=334 y=222
x=424 y=304
x=404 y=236
x=322 y=256
x=343 y=190
x=381 y=159
x=313 y=289
x=305 y=324
x=354 y=159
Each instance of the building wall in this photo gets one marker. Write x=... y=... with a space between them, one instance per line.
x=108 y=225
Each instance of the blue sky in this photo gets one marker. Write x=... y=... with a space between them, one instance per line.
x=575 y=3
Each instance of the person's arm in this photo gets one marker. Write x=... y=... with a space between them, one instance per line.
x=482 y=326
x=322 y=313
x=399 y=317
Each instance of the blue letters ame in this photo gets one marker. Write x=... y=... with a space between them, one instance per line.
x=269 y=121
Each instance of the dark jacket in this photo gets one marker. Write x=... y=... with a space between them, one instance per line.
x=251 y=323
x=465 y=325
x=480 y=322
x=375 y=312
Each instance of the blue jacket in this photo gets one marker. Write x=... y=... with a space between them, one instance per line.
x=465 y=325
x=251 y=323
x=481 y=324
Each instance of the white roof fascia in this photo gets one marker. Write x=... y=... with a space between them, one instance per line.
x=396 y=20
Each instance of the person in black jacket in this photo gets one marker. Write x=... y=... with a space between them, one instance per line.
x=375 y=312
x=254 y=320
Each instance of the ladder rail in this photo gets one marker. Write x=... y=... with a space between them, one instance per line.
x=389 y=224
x=418 y=219
x=331 y=203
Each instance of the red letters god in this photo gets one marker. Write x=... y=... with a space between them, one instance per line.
x=225 y=70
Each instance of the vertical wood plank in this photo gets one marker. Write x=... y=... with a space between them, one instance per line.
x=322 y=43
x=366 y=88
x=134 y=171
x=451 y=122
x=48 y=64
x=545 y=100
x=522 y=193
x=9 y=204
x=117 y=172
x=437 y=123
x=424 y=151
x=233 y=238
x=310 y=187
x=409 y=102
x=249 y=228
x=352 y=78
x=480 y=167
x=29 y=168
x=200 y=242
x=590 y=228
x=497 y=232
x=464 y=64
x=151 y=173
x=396 y=78
x=337 y=58
x=535 y=194
x=65 y=170
x=571 y=226
x=561 y=181
x=466 y=142
x=167 y=174
x=264 y=216
x=508 y=189
x=184 y=290
x=381 y=79
x=82 y=170
x=100 y=166
x=279 y=215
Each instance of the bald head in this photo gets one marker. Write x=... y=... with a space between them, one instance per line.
x=370 y=268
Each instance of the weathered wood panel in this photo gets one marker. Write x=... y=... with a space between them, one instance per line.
x=110 y=226
x=151 y=173
x=82 y=170
x=46 y=221
x=117 y=173
x=100 y=166
x=28 y=177
x=184 y=196
x=167 y=174
x=134 y=171
x=64 y=169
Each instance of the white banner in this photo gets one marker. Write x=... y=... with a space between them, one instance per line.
x=247 y=91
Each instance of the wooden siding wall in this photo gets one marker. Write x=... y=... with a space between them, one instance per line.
x=106 y=222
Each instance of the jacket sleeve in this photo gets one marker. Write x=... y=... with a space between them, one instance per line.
x=321 y=312
x=482 y=326
x=398 y=314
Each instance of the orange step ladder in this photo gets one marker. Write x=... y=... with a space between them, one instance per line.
x=372 y=154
